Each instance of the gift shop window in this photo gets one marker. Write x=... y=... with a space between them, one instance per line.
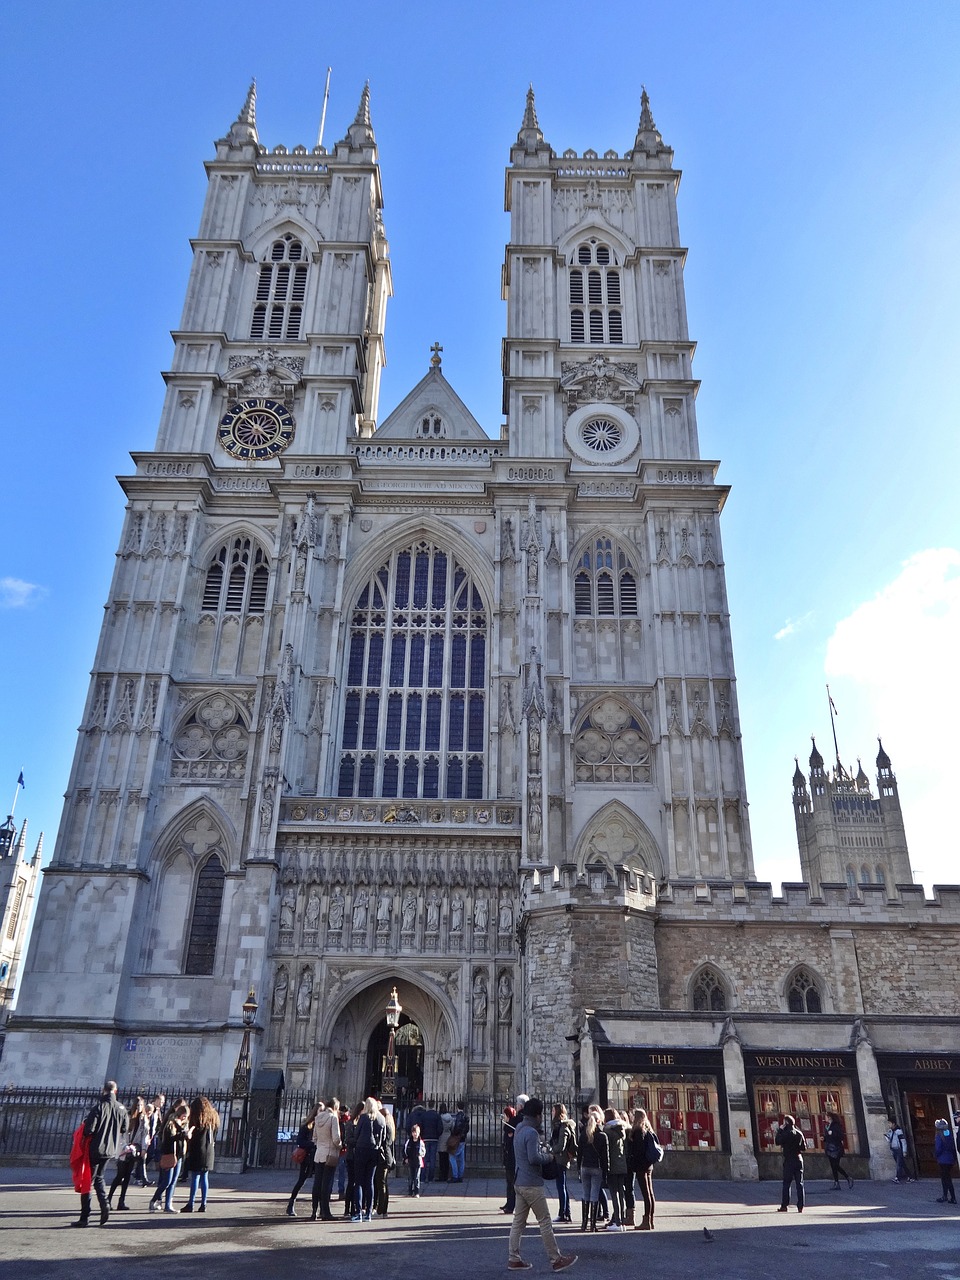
x=810 y=1104
x=684 y=1113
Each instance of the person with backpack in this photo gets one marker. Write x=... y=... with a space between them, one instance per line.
x=793 y=1144
x=897 y=1142
x=616 y=1132
x=945 y=1151
x=457 y=1145
x=563 y=1144
x=645 y=1154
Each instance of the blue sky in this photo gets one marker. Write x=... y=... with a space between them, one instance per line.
x=821 y=205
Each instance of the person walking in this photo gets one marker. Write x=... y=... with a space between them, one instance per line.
x=646 y=1152
x=945 y=1150
x=834 y=1141
x=104 y=1128
x=897 y=1142
x=327 y=1143
x=308 y=1147
x=507 y=1130
x=386 y=1163
x=594 y=1154
x=563 y=1144
x=204 y=1123
x=793 y=1144
x=530 y=1194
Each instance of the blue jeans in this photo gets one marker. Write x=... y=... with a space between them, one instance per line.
x=430 y=1159
x=414 y=1171
x=590 y=1180
x=201 y=1180
x=457 y=1162
x=562 y=1193
x=166 y=1181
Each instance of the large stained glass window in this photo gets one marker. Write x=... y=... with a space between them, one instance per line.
x=414 y=719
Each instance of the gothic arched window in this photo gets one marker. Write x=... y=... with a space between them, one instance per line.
x=205 y=918
x=414 y=717
x=605 y=582
x=803 y=993
x=709 y=993
x=595 y=280
x=431 y=427
x=281 y=289
x=237 y=579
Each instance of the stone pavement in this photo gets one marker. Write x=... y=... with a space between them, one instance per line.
x=877 y=1229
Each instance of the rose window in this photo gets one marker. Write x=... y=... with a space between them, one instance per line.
x=603 y=435
x=212 y=744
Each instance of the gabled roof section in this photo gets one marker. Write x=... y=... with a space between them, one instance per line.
x=432 y=398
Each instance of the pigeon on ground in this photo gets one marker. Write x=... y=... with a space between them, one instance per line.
x=708 y=1235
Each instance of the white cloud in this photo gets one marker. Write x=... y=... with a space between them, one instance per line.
x=792 y=626
x=891 y=663
x=17 y=594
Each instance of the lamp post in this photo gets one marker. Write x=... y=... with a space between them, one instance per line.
x=389 y=1087
x=241 y=1076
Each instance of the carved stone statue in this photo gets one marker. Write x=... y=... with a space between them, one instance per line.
x=335 y=915
x=384 y=911
x=280 y=984
x=313 y=911
x=504 y=998
x=288 y=905
x=433 y=912
x=505 y=919
x=408 y=913
x=305 y=994
x=533 y=746
x=456 y=915
x=480 y=912
x=360 y=904
x=480 y=999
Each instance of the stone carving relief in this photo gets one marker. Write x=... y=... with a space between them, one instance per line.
x=600 y=380
x=211 y=744
x=612 y=745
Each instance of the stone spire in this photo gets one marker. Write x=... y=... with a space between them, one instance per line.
x=360 y=132
x=648 y=137
x=244 y=128
x=21 y=846
x=530 y=137
x=38 y=852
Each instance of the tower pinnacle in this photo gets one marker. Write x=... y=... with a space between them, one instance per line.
x=360 y=132
x=530 y=136
x=244 y=128
x=648 y=137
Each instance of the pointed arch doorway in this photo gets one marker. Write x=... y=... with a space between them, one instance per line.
x=408 y=1044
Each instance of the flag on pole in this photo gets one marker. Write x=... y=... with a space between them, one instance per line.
x=20 y=781
x=833 y=706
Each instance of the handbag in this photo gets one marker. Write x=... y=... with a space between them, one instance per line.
x=549 y=1169
x=332 y=1160
x=168 y=1161
x=299 y=1155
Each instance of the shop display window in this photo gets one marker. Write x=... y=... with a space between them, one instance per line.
x=684 y=1113
x=809 y=1102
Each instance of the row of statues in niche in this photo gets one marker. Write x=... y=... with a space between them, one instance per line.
x=281 y=986
x=382 y=907
x=481 y=998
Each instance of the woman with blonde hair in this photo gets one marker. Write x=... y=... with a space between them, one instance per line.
x=371 y=1137
x=594 y=1155
x=204 y=1123
x=327 y=1139
x=645 y=1150
x=308 y=1147
x=386 y=1162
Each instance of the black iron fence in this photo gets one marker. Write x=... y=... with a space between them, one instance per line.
x=40 y=1123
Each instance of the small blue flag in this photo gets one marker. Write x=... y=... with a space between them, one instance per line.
x=20 y=781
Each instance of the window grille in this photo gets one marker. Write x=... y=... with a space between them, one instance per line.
x=709 y=993
x=603 y=296
x=281 y=290
x=205 y=919
x=237 y=579
x=803 y=995
x=414 y=717
x=605 y=584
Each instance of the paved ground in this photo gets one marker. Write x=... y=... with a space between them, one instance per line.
x=877 y=1229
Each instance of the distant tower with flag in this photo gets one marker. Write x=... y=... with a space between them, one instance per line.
x=19 y=877
x=846 y=834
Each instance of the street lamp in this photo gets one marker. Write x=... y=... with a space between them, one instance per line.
x=241 y=1076
x=394 y=1010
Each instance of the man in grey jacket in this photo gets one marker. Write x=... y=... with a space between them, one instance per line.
x=529 y=1191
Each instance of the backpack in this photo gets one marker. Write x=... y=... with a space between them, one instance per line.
x=898 y=1142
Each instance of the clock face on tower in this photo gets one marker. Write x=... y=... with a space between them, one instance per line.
x=255 y=429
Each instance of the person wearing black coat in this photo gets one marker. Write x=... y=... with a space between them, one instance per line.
x=834 y=1140
x=793 y=1144
x=106 y=1126
x=204 y=1123
x=509 y=1159
x=306 y=1144
x=593 y=1152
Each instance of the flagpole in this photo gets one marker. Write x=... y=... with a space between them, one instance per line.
x=323 y=113
x=833 y=727
x=16 y=793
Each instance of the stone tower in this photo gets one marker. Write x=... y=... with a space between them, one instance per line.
x=19 y=877
x=420 y=701
x=624 y=603
x=846 y=834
